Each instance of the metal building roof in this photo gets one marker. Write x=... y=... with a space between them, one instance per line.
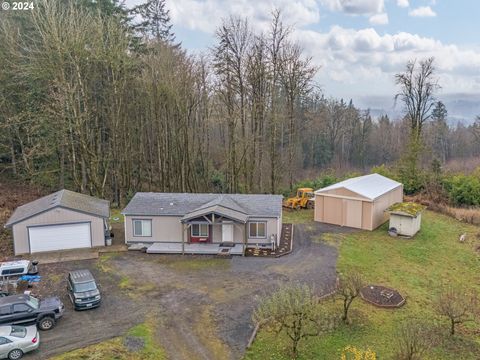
x=370 y=186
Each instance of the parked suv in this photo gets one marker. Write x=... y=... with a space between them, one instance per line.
x=25 y=309
x=83 y=290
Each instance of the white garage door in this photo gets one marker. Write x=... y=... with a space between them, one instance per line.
x=59 y=237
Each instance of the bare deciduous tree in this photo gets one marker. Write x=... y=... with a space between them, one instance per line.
x=458 y=305
x=417 y=89
x=348 y=289
x=295 y=311
x=296 y=74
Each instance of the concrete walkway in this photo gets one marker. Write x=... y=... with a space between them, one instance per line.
x=53 y=257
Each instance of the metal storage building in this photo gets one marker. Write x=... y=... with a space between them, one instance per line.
x=358 y=202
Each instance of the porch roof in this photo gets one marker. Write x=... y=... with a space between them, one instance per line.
x=217 y=210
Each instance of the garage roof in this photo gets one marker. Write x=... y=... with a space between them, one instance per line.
x=184 y=204
x=63 y=198
x=370 y=186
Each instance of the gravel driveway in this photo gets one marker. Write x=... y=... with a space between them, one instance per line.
x=203 y=305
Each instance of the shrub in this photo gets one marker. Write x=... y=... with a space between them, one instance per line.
x=463 y=189
x=413 y=338
x=318 y=183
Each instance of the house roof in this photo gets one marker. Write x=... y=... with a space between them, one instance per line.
x=370 y=186
x=65 y=199
x=191 y=205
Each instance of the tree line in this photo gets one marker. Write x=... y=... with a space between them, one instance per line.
x=104 y=100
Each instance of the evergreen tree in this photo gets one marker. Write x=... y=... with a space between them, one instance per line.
x=155 y=21
x=440 y=140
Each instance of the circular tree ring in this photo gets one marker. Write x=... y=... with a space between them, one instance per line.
x=382 y=296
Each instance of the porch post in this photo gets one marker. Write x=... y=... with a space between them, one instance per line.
x=245 y=239
x=183 y=239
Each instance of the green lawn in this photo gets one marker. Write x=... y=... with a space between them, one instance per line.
x=116 y=216
x=297 y=216
x=417 y=268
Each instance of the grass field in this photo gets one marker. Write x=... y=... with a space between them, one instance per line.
x=418 y=268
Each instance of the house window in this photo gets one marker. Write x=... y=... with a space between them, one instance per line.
x=142 y=227
x=258 y=229
x=200 y=230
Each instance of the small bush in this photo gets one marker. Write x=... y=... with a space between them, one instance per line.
x=318 y=183
x=463 y=189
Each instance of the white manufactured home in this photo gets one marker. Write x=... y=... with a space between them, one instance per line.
x=203 y=223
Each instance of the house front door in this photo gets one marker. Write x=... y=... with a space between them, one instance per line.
x=227 y=232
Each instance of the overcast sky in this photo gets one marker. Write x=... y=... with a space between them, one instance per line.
x=359 y=44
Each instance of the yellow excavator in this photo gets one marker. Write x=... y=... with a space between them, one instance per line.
x=303 y=200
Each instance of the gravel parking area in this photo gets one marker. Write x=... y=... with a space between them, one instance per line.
x=203 y=305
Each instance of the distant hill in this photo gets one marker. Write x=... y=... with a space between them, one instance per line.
x=462 y=108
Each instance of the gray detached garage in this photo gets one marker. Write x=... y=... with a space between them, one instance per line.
x=59 y=221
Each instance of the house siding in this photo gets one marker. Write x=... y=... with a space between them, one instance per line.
x=169 y=229
x=54 y=217
x=164 y=229
x=272 y=230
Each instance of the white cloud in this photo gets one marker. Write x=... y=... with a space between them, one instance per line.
x=350 y=59
x=357 y=7
x=403 y=3
x=422 y=11
x=379 y=19
x=207 y=15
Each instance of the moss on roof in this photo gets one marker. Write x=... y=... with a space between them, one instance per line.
x=407 y=208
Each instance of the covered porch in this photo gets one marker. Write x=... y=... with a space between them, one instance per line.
x=220 y=222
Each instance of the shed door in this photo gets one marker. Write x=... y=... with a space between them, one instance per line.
x=59 y=237
x=353 y=213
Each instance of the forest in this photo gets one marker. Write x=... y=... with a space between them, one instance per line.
x=104 y=100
